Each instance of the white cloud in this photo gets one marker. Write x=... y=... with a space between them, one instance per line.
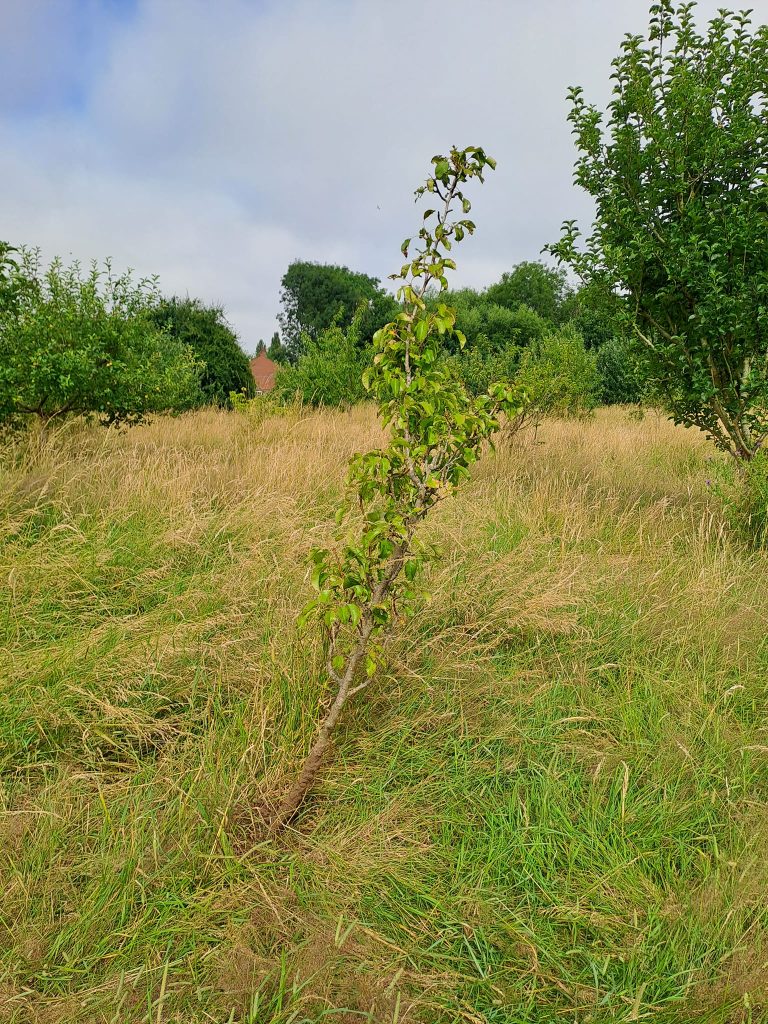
x=219 y=141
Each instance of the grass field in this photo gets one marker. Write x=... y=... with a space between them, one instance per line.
x=552 y=807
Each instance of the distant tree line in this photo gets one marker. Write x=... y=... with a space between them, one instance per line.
x=92 y=342
x=329 y=316
x=76 y=341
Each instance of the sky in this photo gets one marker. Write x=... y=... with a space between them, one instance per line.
x=213 y=142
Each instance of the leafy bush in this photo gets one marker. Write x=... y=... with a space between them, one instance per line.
x=620 y=379
x=85 y=344
x=478 y=371
x=330 y=370
x=558 y=377
x=529 y=327
x=206 y=332
x=489 y=327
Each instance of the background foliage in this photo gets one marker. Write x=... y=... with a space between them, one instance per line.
x=204 y=330
x=315 y=296
x=329 y=371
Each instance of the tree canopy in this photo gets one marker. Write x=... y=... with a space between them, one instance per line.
x=205 y=331
x=276 y=350
x=678 y=169
x=84 y=343
x=315 y=296
x=533 y=284
x=488 y=326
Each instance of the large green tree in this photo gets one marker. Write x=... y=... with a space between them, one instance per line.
x=205 y=331
x=83 y=343
x=535 y=285
x=315 y=296
x=678 y=169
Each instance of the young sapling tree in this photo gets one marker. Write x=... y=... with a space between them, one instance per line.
x=436 y=431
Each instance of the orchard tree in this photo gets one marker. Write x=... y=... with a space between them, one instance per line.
x=74 y=343
x=558 y=376
x=678 y=170
x=436 y=431
x=204 y=329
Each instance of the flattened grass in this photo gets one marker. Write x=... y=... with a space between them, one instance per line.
x=553 y=807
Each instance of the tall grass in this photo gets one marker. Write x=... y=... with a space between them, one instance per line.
x=552 y=807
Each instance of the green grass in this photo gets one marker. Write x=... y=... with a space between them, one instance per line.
x=553 y=806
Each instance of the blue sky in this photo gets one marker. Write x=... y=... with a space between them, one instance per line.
x=211 y=142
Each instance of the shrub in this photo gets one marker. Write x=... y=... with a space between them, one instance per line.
x=489 y=327
x=558 y=377
x=620 y=379
x=330 y=370
x=478 y=371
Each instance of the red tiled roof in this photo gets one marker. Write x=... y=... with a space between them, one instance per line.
x=264 y=370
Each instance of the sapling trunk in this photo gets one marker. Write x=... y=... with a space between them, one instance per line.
x=436 y=431
x=296 y=794
x=305 y=780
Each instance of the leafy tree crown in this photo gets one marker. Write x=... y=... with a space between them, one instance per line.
x=678 y=169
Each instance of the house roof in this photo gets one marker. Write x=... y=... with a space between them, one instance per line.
x=264 y=370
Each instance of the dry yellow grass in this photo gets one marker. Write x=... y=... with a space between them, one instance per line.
x=553 y=806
